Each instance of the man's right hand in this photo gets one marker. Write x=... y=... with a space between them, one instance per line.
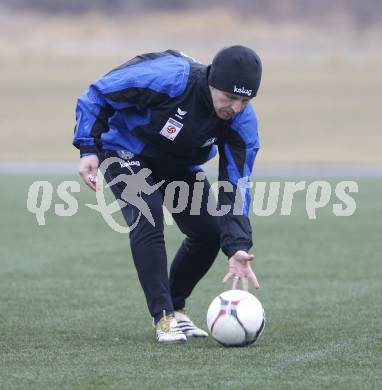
x=240 y=268
x=88 y=170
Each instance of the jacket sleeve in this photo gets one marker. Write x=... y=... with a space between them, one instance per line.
x=137 y=85
x=237 y=153
x=92 y=114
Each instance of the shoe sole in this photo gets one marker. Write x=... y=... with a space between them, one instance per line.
x=197 y=336
x=172 y=342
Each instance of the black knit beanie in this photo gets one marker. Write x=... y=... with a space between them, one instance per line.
x=237 y=70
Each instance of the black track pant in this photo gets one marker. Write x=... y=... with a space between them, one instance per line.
x=198 y=250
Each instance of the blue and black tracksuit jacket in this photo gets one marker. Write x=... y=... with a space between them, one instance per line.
x=159 y=105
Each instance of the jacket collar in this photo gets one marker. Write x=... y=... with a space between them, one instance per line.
x=204 y=88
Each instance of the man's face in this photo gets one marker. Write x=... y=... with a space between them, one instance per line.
x=226 y=105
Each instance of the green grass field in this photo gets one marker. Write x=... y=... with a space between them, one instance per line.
x=72 y=315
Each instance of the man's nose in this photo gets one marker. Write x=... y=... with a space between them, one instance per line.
x=237 y=106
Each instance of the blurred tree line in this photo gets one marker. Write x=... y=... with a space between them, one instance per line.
x=362 y=13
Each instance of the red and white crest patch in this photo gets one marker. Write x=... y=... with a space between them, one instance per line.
x=171 y=129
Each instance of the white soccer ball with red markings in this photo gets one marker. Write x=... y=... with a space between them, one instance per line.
x=235 y=318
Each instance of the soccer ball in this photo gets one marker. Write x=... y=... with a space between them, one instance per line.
x=235 y=318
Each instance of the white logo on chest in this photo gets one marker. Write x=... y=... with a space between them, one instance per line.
x=209 y=142
x=180 y=113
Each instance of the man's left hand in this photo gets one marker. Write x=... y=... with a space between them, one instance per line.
x=240 y=268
